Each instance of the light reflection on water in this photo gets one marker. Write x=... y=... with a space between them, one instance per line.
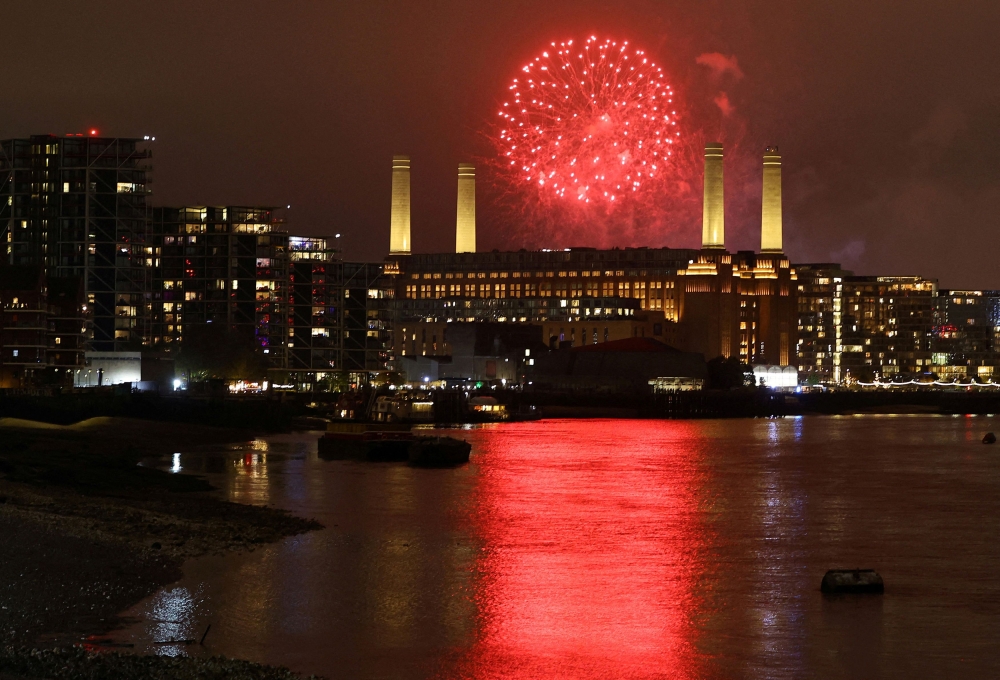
x=592 y=552
x=600 y=549
x=171 y=617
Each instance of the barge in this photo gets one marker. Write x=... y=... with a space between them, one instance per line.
x=366 y=441
x=390 y=442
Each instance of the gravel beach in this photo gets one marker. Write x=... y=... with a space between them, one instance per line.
x=86 y=532
x=79 y=664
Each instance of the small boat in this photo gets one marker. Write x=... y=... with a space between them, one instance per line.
x=405 y=407
x=487 y=408
x=366 y=441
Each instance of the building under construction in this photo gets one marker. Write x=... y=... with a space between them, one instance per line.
x=340 y=315
x=76 y=206
x=225 y=265
x=308 y=313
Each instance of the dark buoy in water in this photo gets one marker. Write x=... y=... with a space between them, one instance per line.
x=852 y=581
x=990 y=438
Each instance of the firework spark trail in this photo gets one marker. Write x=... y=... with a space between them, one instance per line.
x=593 y=122
x=588 y=151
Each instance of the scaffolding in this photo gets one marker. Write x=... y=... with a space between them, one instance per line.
x=76 y=205
x=225 y=265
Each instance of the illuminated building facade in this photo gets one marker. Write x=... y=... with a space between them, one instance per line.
x=23 y=325
x=511 y=286
x=469 y=351
x=893 y=327
x=366 y=318
x=465 y=220
x=314 y=304
x=42 y=327
x=863 y=327
x=223 y=265
x=340 y=321
x=309 y=313
x=713 y=231
x=708 y=301
x=76 y=206
x=67 y=325
x=967 y=334
x=399 y=235
x=887 y=325
x=770 y=222
x=557 y=326
x=820 y=301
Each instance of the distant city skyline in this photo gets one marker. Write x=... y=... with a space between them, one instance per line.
x=885 y=132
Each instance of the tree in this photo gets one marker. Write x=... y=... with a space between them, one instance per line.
x=727 y=374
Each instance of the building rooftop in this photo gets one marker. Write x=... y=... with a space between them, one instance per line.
x=628 y=345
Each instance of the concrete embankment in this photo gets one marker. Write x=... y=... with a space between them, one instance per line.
x=756 y=403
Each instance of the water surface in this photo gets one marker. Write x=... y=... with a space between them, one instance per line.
x=613 y=549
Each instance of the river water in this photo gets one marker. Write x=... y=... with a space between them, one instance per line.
x=612 y=549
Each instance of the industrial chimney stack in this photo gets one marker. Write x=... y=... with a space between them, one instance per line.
x=399 y=235
x=770 y=224
x=465 y=225
x=713 y=225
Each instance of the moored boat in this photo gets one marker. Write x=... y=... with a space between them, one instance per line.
x=438 y=452
x=366 y=441
x=486 y=408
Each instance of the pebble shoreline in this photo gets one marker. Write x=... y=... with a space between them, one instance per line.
x=74 y=558
x=78 y=664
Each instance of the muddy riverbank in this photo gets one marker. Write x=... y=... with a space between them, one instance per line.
x=86 y=530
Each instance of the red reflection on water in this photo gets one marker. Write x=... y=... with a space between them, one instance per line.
x=590 y=562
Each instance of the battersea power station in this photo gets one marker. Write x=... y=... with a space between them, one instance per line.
x=100 y=287
x=709 y=301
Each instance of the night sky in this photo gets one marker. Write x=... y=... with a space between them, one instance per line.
x=887 y=114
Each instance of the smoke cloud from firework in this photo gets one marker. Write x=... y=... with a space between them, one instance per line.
x=593 y=146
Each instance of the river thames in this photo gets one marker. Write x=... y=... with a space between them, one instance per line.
x=611 y=549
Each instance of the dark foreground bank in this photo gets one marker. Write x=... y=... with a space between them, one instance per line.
x=86 y=532
x=78 y=664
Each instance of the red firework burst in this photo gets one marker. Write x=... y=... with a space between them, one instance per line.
x=593 y=123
